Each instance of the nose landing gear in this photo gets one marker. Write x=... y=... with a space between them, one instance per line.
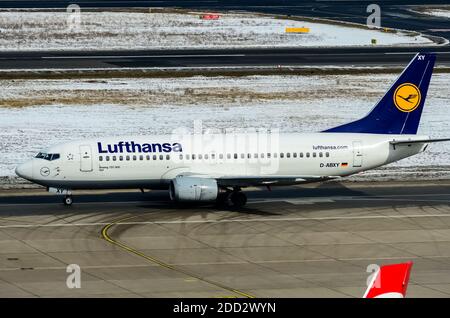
x=68 y=200
x=67 y=193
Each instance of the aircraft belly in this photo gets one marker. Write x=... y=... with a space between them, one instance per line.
x=105 y=184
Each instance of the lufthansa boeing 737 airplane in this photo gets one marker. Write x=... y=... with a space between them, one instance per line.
x=205 y=168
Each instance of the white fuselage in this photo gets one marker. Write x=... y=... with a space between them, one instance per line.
x=89 y=164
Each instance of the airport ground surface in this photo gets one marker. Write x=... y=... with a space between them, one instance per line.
x=394 y=13
x=306 y=241
x=216 y=58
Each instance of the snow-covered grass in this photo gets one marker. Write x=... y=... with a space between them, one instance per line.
x=443 y=13
x=37 y=30
x=75 y=109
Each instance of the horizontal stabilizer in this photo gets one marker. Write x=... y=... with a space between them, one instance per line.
x=417 y=141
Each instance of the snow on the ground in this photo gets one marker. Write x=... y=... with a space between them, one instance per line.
x=159 y=105
x=443 y=13
x=131 y=30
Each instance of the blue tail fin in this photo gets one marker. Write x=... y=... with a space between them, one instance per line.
x=399 y=111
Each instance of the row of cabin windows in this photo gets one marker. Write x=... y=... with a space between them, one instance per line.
x=220 y=156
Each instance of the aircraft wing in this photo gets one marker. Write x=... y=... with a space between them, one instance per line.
x=247 y=181
x=417 y=141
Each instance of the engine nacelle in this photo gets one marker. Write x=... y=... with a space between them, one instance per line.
x=193 y=189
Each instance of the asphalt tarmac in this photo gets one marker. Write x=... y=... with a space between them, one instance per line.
x=236 y=58
x=394 y=14
x=309 y=241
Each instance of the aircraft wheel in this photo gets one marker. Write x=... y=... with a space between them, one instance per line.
x=68 y=200
x=238 y=199
x=222 y=199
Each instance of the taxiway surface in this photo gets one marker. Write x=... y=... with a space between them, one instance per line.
x=309 y=241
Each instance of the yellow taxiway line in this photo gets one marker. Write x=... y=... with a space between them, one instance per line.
x=161 y=263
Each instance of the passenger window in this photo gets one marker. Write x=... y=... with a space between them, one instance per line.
x=320 y=154
x=121 y=158
x=249 y=156
x=242 y=156
x=167 y=157
x=99 y=158
x=147 y=157
x=262 y=155
x=193 y=157
x=275 y=155
x=107 y=158
x=235 y=156
x=228 y=155
x=307 y=155
x=141 y=157
x=288 y=155
x=161 y=157
x=281 y=155
x=268 y=155
x=301 y=154
x=213 y=156
x=221 y=156
x=206 y=156
x=187 y=157
x=128 y=158
x=154 y=157
x=114 y=158
x=314 y=154
x=200 y=157
x=294 y=154
x=181 y=157
x=134 y=158
x=327 y=154
x=255 y=156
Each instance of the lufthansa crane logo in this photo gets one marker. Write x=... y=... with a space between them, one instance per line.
x=407 y=97
x=45 y=171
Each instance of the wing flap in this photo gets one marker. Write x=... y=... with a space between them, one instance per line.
x=247 y=181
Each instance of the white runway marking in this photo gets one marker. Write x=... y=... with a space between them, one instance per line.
x=6 y=269
x=137 y=56
x=325 y=218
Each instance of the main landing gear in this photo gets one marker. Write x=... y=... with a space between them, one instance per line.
x=232 y=198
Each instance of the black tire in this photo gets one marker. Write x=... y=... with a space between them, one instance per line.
x=68 y=200
x=222 y=199
x=238 y=199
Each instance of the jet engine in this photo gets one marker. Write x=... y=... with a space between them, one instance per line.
x=193 y=189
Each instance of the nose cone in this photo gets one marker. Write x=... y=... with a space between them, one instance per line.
x=25 y=170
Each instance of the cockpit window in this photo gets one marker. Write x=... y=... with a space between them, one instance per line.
x=48 y=156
